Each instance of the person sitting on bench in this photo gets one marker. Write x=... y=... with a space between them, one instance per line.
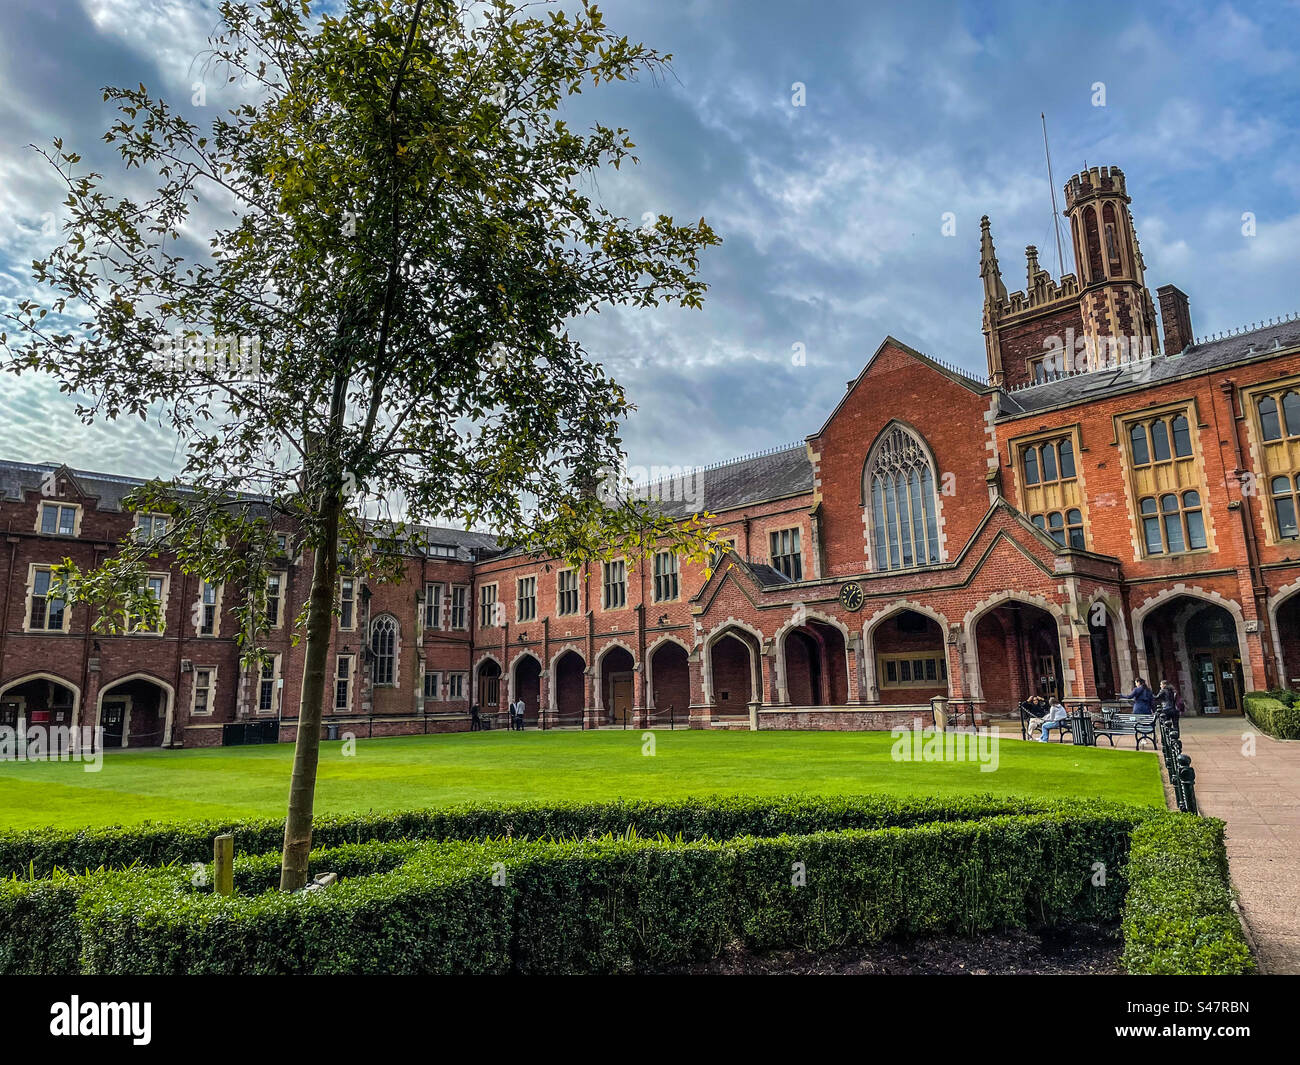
x=1038 y=709
x=1056 y=718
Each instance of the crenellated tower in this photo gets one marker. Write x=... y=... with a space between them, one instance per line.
x=1101 y=314
x=1119 y=316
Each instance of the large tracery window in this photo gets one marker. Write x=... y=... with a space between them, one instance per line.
x=901 y=493
x=383 y=644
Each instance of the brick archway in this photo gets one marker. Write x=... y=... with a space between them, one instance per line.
x=668 y=679
x=526 y=684
x=136 y=717
x=733 y=654
x=869 y=683
x=1016 y=684
x=569 y=687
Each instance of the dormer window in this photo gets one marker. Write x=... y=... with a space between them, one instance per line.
x=58 y=519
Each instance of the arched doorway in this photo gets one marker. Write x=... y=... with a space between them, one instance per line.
x=1018 y=654
x=617 y=670
x=906 y=659
x=1286 y=629
x=40 y=701
x=815 y=665
x=669 y=682
x=135 y=711
x=528 y=687
x=1101 y=644
x=1195 y=645
x=569 y=688
x=734 y=671
x=487 y=687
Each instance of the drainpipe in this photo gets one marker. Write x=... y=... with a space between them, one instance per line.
x=176 y=689
x=1258 y=588
x=9 y=583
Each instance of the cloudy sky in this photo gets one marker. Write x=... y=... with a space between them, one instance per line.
x=831 y=212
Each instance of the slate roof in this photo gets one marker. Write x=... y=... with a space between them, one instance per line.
x=1093 y=384
x=111 y=490
x=768 y=475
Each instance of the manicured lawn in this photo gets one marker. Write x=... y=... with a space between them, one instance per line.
x=421 y=771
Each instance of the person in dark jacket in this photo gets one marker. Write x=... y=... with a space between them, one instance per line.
x=1144 y=699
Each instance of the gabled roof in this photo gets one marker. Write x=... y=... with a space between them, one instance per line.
x=954 y=373
x=19 y=477
x=1088 y=385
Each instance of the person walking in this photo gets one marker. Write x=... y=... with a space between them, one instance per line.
x=1144 y=699
x=518 y=710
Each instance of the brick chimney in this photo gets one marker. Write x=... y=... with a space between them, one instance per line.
x=1176 y=319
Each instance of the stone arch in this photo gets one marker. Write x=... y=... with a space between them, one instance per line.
x=971 y=657
x=1210 y=597
x=727 y=630
x=654 y=695
x=529 y=686
x=169 y=708
x=598 y=692
x=867 y=680
x=1114 y=607
x=476 y=678
x=1275 y=603
x=568 y=691
x=514 y=666
x=792 y=624
x=53 y=678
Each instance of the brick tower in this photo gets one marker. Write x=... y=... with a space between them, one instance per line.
x=1119 y=317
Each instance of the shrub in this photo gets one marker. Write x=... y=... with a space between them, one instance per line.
x=439 y=912
x=702 y=818
x=1278 y=716
x=624 y=902
x=962 y=878
x=1178 y=917
x=39 y=926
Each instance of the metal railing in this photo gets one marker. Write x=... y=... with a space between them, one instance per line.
x=1182 y=777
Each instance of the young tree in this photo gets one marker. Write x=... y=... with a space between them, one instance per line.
x=409 y=241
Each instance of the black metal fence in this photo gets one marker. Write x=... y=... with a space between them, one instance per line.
x=243 y=733
x=1178 y=765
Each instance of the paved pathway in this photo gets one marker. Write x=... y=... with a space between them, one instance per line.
x=1259 y=797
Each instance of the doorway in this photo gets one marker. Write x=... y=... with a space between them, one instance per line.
x=621 y=698
x=113 y=721
x=1218 y=682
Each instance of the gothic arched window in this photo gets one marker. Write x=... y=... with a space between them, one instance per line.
x=899 y=486
x=383 y=644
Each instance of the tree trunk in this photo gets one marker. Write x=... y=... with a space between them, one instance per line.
x=306 y=751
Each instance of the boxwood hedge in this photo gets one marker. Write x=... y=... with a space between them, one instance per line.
x=587 y=901
x=1178 y=916
x=43 y=850
x=1275 y=712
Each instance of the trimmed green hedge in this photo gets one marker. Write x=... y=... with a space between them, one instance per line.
x=1178 y=917
x=607 y=905
x=1278 y=717
x=44 y=850
x=626 y=902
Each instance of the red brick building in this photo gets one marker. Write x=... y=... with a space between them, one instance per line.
x=1109 y=502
